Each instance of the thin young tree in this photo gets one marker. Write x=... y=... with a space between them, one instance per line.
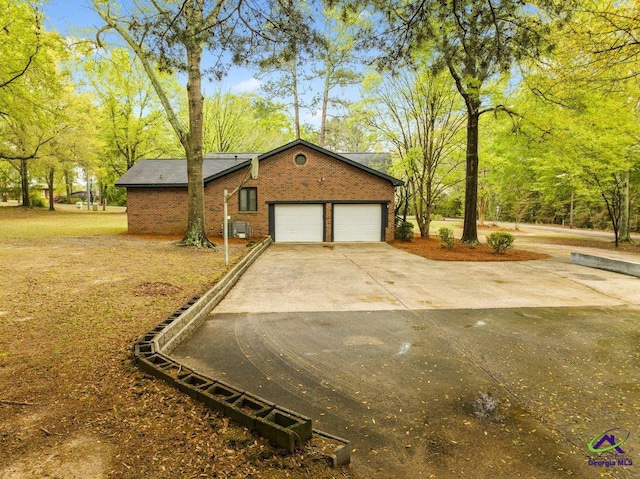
x=419 y=113
x=283 y=48
x=335 y=62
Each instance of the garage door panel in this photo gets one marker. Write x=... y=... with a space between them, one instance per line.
x=299 y=223
x=357 y=222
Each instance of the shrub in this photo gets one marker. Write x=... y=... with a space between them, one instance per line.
x=404 y=231
x=37 y=201
x=446 y=237
x=500 y=241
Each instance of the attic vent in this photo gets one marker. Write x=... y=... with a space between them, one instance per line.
x=301 y=159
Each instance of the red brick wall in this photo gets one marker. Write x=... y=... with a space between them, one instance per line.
x=322 y=178
x=157 y=211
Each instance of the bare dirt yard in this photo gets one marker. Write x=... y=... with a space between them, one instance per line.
x=77 y=291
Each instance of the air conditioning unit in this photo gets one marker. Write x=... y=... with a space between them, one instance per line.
x=239 y=229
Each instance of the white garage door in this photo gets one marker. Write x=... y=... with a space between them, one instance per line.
x=299 y=223
x=355 y=222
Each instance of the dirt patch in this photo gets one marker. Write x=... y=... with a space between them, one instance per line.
x=156 y=289
x=431 y=248
x=77 y=458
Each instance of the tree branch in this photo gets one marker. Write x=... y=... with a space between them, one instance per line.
x=25 y=157
x=148 y=68
x=31 y=57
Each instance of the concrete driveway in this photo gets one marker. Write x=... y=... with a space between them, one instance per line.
x=436 y=369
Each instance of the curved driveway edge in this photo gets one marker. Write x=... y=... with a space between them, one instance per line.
x=153 y=350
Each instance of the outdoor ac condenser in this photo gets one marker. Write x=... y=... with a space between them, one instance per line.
x=239 y=229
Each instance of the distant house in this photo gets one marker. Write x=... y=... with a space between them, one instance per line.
x=303 y=193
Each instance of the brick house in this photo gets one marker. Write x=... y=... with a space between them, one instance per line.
x=303 y=193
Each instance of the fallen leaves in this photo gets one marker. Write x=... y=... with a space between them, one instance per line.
x=69 y=370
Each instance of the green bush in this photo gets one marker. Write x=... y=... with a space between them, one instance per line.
x=404 y=231
x=37 y=201
x=500 y=241
x=446 y=237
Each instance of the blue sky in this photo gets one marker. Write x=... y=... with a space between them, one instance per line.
x=76 y=17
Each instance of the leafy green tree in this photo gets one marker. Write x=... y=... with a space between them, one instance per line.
x=610 y=32
x=581 y=149
x=30 y=89
x=419 y=113
x=245 y=122
x=133 y=124
x=348 y=134
x=584 y=110
x=20 y=42
x=75 y=145
x=476 y=41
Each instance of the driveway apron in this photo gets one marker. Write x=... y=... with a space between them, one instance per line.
x=435 y=369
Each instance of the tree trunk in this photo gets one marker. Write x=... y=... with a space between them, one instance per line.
x=625 y=215
x=571 y=210
x=24 y=179
x=470 y=229
x=52 y=172
x=296 y=99
x=68 y=182
x=323 y=112
x=103 y=196
x=428 y=209
x=190 y=140
x=427 y=221
x=192 y=143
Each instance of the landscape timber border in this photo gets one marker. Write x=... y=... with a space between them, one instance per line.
x=622 y=266
x=279 y=425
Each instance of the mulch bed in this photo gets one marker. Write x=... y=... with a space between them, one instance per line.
x=431 y=248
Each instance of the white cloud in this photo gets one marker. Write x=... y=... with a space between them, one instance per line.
x=251 y=84
x=314 y=118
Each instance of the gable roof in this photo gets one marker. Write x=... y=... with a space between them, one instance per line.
x=165 y=173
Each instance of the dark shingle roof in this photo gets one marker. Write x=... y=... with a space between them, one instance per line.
x=377 y=161
x=166 y=173
x=173 y=172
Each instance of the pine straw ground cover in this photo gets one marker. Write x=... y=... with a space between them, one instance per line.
x=76 y=293
x=431 y=248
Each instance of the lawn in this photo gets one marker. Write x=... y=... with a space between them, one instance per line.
x=66 y=221
x=76 y=293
